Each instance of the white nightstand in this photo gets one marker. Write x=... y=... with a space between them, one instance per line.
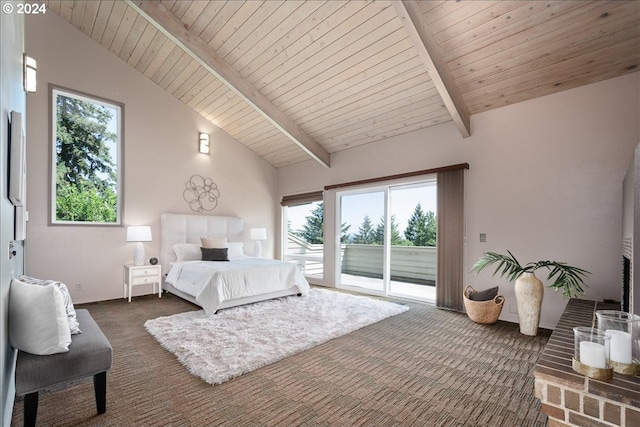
x=135 y=275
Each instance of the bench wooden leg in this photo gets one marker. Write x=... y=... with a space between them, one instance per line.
x=30 y=409
x=100 y=387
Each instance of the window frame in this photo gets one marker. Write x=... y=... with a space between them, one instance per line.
x=54 y=91
x=386 y=187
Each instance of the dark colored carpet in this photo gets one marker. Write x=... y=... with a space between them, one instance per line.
x=425 y=367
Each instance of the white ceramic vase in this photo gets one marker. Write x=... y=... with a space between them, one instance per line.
x=529 y=292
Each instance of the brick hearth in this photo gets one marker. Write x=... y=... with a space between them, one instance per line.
x=571 y=399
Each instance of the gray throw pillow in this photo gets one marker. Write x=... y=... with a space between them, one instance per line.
x=486 y=295
x=215 y=254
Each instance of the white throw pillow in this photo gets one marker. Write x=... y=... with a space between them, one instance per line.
x=187 y=252
x=74 y=326
x=38 y=319
x=213 y=242
x=235 y=249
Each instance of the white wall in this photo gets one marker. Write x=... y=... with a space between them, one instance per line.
x=545 y=181
x=161 y=155
x=12 y=97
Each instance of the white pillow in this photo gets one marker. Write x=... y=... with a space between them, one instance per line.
x=213 y=242
x=187 y=252
x=74 y=326
x=235 y=249
x=38 y=319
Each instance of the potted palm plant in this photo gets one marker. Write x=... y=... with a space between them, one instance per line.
x=528 y=288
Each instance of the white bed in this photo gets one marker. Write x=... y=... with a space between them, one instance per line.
x=243 y=279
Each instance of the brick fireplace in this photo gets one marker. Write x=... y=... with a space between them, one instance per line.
x=567 y=397
x=571 y=399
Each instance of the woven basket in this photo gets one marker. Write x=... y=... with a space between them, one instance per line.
x=485 y=312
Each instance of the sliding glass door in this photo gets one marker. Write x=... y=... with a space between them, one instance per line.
x=413 y=241
x=387 y=240
x=362 y=256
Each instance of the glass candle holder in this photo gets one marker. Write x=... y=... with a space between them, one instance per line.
x=624 y=329
x=591 y=353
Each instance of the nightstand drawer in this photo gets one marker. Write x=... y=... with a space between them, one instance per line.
x=144 y=280
x=134 y=275
x=147 y=271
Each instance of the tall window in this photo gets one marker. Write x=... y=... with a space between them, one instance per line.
x=86 y=169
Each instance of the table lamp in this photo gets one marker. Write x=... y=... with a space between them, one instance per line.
x=258 y=234
x=139 y=234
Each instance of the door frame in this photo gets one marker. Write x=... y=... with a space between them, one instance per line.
x=386 y=189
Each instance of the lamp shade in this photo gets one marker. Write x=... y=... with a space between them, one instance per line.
x=258 y=234
x=138 y=233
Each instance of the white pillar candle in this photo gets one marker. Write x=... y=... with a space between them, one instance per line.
x=620 y=346
x=592 y=354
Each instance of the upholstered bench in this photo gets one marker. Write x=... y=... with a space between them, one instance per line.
x=89 y=354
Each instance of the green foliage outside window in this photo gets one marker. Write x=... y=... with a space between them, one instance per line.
x=86 y=172
x=313 y=229
x=396 y=238
x=420 y=231
x=366 y=233
x=421 y=228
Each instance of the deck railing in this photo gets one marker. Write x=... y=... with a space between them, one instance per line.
x=412 y=264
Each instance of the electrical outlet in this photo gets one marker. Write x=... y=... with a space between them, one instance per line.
x=483 y=237
x=513 y=309
x=78 y=286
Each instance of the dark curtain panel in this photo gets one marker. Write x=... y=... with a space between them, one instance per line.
x=450 y=243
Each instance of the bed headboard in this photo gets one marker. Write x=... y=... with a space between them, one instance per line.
x=184 y=228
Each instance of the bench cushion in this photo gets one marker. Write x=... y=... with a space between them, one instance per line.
x=89 y=353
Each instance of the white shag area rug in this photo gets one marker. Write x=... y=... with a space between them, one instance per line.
x=238 y=340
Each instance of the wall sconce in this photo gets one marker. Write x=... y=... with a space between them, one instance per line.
x=204 y=143
x=30 y=69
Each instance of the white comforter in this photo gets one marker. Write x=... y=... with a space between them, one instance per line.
x=213 y=282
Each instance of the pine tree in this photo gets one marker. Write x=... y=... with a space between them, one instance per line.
x=421 y=228
x=396 y=238
x=366 y=234
x=430 y=229
x=415 y=226
x=312 y=230
x=82 y=154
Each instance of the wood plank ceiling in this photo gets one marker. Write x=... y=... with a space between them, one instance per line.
x=298 y=79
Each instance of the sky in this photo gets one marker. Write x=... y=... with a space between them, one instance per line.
x=355 y=206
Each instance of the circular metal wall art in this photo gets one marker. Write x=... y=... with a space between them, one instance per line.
x=201 y=194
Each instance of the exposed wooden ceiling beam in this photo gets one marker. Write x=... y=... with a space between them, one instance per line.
x=413 y=21
x=174 y=29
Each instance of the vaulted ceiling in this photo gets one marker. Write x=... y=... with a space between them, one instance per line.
x=294 y=80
